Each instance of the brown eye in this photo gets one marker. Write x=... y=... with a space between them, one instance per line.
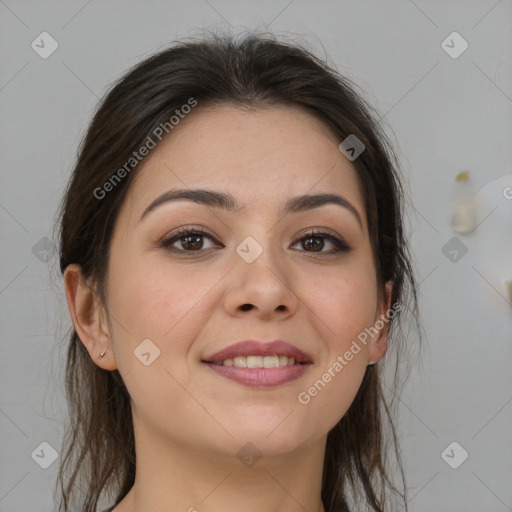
x=315 y=242
x=192 y=242
x=189 y=240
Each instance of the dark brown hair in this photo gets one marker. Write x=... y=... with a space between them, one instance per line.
x=249 y=71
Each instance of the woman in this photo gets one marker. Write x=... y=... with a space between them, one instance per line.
x=235 y=267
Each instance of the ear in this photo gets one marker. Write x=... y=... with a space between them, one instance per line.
x=89 y=317
x=379 y=343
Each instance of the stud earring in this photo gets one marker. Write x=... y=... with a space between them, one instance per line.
x=102 y=354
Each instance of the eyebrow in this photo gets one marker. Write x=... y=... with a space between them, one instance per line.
x=227 y=202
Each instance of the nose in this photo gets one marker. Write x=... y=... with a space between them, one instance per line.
x=263 y=288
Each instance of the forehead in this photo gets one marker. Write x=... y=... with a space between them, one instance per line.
x=261 y=156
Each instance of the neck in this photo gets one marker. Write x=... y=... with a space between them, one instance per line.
x=172 y=476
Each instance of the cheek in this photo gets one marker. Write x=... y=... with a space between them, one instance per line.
x=344 y=306
x=343 y=300
x=167 y=305
x=161 y=302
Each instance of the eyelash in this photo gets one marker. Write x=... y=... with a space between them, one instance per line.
x=339 y=245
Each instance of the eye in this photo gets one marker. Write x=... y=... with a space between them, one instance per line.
x=190 y=240
x=315 y=240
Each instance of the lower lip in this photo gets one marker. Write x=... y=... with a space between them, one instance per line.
x=260 y=377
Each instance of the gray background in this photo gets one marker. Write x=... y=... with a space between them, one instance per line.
x=446 y=114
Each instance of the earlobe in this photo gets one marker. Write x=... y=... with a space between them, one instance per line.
x=85 y=310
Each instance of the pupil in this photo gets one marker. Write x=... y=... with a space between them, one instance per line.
x=317 y=243
x=196 y=245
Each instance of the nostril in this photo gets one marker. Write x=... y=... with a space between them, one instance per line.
x=246 y=307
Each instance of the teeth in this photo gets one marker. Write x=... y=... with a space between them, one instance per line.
x=283 y=361
x=259 y=361
x=240 y=361
x=255 y=361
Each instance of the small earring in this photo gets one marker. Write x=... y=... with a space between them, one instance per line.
x=370 y=363
x=102 y=354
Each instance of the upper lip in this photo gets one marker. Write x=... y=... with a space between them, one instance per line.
x=257 y=348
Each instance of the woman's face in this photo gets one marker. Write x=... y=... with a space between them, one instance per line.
x=254 y=273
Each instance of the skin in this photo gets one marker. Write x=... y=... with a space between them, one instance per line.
x=189 y=422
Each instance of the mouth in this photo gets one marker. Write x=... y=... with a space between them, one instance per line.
x=249 y=352
x=273 y=361
x=259 y=365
